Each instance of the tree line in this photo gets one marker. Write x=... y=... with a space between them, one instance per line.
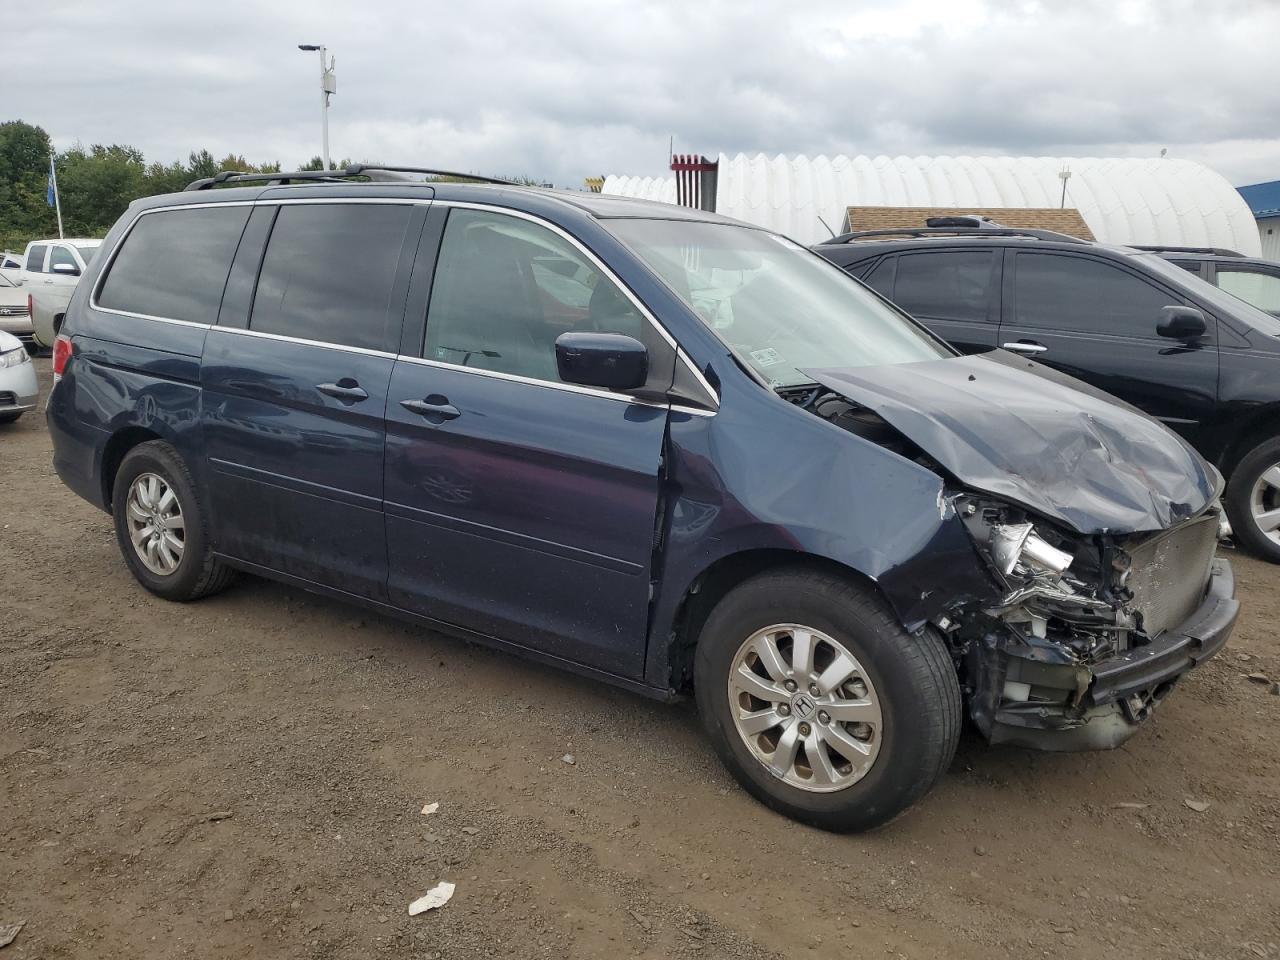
x=97 y=183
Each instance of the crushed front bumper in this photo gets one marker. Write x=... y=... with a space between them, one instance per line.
x=1103 y=703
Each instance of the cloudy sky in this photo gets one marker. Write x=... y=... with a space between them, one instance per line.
x=563 y=90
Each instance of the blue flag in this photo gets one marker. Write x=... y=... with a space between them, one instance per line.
x=49 y=193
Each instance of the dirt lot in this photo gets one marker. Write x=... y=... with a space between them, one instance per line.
x=244 y=776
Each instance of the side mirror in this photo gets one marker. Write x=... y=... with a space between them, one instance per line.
x=1181 y=323
x=608 y=360
x=69 y=269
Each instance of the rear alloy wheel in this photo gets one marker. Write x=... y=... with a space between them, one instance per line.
x=1253 y=501
x=160 y=525
x=820 y=704
x=156 y=527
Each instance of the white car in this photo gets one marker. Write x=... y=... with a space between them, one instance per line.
x=18 y=387
x=11 y=266
x=15 y=318
x=50 y=274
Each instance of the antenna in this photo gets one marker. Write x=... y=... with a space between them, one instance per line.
x=827 y=225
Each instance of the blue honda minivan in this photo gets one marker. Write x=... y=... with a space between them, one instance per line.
x=652 y=445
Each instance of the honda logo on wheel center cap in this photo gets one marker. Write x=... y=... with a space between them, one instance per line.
x=802 y=706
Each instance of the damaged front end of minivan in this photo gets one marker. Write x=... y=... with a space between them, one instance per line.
x=1089 y=633
x=1097 y=528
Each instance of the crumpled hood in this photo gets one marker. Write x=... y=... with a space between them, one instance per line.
x=1020 y=431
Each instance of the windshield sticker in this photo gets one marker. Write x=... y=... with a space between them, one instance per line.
x=766 y=357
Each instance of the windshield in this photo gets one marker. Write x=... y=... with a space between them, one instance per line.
x=779 y=307
x=1221 y=300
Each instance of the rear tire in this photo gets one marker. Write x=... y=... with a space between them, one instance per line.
x=161 y=526
x=1252 y=500
x=899 y=706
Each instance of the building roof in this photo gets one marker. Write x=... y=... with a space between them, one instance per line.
x=1059 y=219
x=1123 y=200
x=1263 y=198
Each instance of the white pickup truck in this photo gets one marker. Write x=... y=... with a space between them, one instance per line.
x=51 y=270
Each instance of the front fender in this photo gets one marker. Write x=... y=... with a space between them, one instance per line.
x=765 y=475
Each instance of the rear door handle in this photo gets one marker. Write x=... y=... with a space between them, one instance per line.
x=1020 y=346
x=434 y=408
x=346 y=390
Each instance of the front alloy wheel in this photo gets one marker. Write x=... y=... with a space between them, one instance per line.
x=820 y=703
x=805 y=707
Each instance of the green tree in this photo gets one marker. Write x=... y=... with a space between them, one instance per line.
x=24 y=171
x=97 y=185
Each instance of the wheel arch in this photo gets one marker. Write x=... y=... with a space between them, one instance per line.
x=1260 y=426
x=723 y=575
x=116 y=449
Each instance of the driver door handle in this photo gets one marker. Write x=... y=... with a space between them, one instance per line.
x=435 y=408
x=1024 y=346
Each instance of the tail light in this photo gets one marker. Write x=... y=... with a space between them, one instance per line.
x=30 y=310
x=61 y=354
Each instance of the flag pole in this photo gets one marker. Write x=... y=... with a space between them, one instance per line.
x=57 y=201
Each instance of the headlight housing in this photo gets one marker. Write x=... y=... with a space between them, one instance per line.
x=1014 y=543
x=14 y=358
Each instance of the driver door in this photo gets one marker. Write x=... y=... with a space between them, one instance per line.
x=518 y=506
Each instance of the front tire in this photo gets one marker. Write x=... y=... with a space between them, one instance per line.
x=1252 y=500
x=820 y=704
x=161 y=526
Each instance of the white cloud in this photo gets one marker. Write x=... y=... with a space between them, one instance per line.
x=564 y=90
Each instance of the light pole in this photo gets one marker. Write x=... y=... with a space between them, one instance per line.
x=328 y=87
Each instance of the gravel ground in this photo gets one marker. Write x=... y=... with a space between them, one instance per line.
x=244 y=776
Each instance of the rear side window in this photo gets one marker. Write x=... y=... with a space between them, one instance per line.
x=504 y=290
x=35 y=258
x=881 y=278
x=946 y=285
x=174 y=264
x=328 y=272
x=1079 y=294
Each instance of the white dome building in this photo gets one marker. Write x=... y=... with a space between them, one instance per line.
x=1122 y=200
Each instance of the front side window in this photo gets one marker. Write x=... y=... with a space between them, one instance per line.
x=505 y=289
x=1260 y=289
x=1079 y=294
x=61 y=255
x=174 y=264
x=946 y=284
x=35 y=258
x=328 y=272
x=779 y=307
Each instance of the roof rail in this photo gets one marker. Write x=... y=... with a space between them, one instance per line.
x=370 y=170
x=1159 y=248
x=955 y=232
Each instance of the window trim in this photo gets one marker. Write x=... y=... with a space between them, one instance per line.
x=681 y=356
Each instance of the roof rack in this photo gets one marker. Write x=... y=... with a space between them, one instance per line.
x=1215 y=251
x=370 y=170
x=956 y=232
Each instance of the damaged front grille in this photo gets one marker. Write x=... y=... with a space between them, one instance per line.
x=1168 y=573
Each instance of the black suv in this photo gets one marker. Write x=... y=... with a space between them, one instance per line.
x=1252 y=280
x=1128 y=321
